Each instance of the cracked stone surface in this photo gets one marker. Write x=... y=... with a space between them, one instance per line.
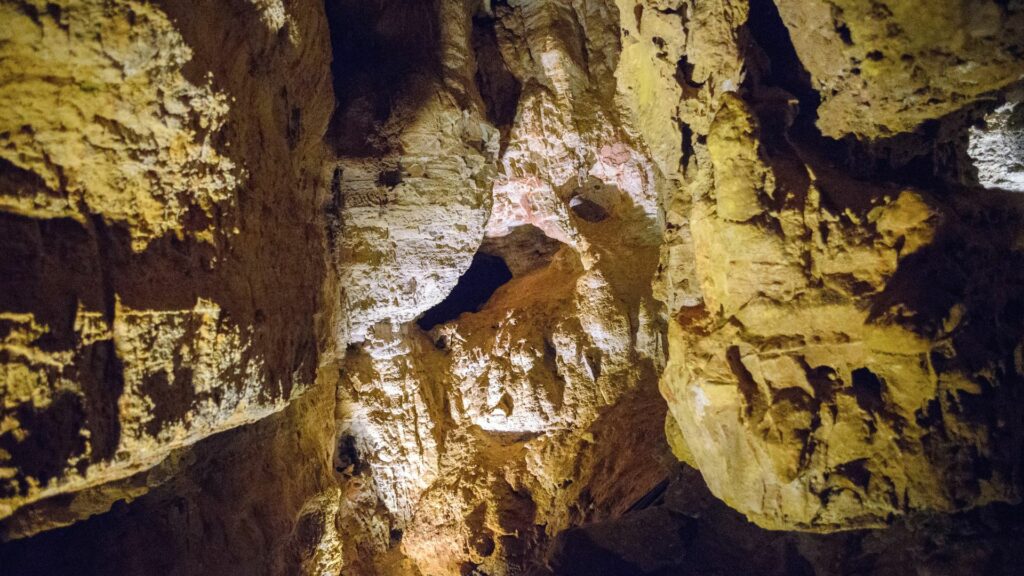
x=885 y=67
x=511 y=287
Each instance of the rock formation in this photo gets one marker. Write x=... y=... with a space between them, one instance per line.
x=511 y=286
x=161 y=234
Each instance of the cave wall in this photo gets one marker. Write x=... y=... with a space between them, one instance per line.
x=162 y=168
x=476 y=438
x=853 y=354
x=762 y=277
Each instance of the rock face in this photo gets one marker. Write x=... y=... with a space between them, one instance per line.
x=452 y=286
x=160 y=233
x=883 y=68
x=821 y=385
x=467 y=435
x=417 y=161
x=997 y=147
x=135 y=141
x=832 y=374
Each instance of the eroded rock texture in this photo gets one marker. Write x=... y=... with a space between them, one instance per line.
x=160 y=234
x=854 y=355
x=997 y=146
x=474 y=437
x=438 y=287
x=883 y=68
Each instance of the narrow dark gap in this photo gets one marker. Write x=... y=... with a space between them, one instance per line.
x=379 y=49
x=781 y=67
x=753 y=401
x=485 y=275
x=654 y=496
x=346 y=456
x=499 y=88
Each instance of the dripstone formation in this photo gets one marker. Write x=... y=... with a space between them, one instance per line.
x=511 y=287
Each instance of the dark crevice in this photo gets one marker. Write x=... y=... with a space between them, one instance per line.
x=844 y=33
x=686 y=144
x=346 y=457
x=753 y=402
x=587 y=209
x=379 y=50
x=780 y=65
x=485 y=275
x=334 y=209
x=856 y=471
x=654 y=496
x=867 y=390
x=499 y=88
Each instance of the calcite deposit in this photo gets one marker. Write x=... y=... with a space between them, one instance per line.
x=818 y=359
x=467 y=433
x=508 y=287
x=997 y=146
x=134 y=140
x=832 y=376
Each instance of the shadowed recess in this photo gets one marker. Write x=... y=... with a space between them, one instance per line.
x=485 y=275
x=378 y=48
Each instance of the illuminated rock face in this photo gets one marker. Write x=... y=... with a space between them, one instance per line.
x=465 y=315
x=161 y=238
x=822 y=384
x=831 y=375
x=883 y=68
x=996 y=148
x=485 y=426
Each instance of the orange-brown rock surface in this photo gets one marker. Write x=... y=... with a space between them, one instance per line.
x=510 y=287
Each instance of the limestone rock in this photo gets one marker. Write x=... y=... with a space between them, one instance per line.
x=997 y=148
x=466 y=316
x=467 y=434
x=257 y=498
x=132 y=140
x=411 y=214
x=161 y=167
x=883 y=68
x=820 y=386
x=773 y=256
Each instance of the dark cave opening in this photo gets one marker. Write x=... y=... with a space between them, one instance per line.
x=499 y=88
x=381 y=52
x=780 y=67
x=485 y=275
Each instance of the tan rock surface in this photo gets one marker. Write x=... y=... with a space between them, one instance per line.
x=468 y=435
x=885 y=67
x=160 y=233
x=802 y=361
